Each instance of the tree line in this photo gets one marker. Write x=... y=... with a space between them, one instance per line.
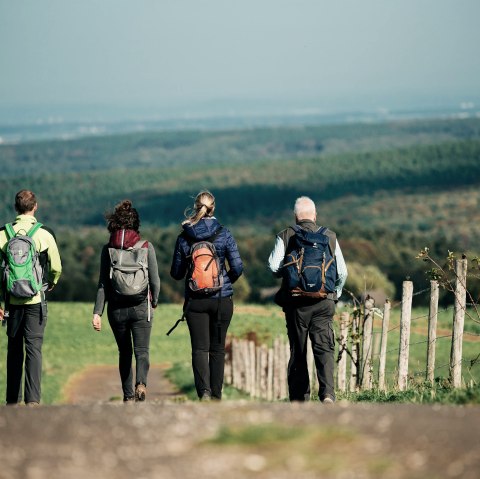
x=377 y=260
x=388 y=190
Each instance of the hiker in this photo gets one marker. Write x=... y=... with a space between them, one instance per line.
x=208 y=308
x=309 y=306
x=31 y=266
x=129 y=282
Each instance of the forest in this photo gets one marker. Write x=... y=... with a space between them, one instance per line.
x=387 y=189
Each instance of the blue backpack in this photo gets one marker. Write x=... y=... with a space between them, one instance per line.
x=309 y=268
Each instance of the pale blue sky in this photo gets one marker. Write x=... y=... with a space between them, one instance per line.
x=175 y=52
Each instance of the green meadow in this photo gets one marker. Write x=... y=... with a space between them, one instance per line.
x=71 y=344
x=389 y=190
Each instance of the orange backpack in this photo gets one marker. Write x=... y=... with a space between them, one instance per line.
x=205 y=274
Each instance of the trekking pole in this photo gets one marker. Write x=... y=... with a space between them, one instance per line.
x=183 y=318
x=176 y=324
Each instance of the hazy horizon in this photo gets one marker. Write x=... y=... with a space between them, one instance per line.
x=179 y=58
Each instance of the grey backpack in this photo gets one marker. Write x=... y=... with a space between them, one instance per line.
x=129 y=271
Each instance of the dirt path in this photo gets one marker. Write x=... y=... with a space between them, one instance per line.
x=237 y=440
x=101 y=384
x=95 y=435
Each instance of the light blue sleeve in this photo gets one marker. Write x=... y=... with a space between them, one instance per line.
x=341 y=270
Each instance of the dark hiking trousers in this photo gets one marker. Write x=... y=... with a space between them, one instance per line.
x=314 y=320
x=131 y=324
x=208 y=346
x=25 y=328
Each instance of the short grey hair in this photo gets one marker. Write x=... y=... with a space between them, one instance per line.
x=304 y=208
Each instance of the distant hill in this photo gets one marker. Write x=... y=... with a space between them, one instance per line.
x=254 y=173
x=387 y=189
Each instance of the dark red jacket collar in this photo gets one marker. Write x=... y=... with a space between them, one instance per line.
x=130 y=239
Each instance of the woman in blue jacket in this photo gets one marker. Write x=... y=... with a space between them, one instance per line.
x=208 y=315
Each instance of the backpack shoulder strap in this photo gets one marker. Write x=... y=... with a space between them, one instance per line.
x=289 y=238
x=34 y=229
x=212 y=238
x=140 y=244
x=332 y=238
x=10 y=231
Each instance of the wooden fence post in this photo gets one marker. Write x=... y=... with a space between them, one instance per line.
x=228 y=365
x=284 y=356
x=251 y=372
x=236 y=381
x=276 y=368
x=383 y=346
x=355 y=349
x=342 y=364
x=232 y=361
x=405 y=320
x=458 y=322
x=270 y=375
x=263 y=371
x=258 y=371
x=432 y=331
x=366 y=364
x=245 y=364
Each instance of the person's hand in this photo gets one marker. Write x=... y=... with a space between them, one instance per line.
x=97 y=322
x=50 y=287
x=154 y=306
x=2 y=313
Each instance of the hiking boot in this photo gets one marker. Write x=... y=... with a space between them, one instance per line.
x=130 y=399
x=328 y=401
x=32 y=404
x=206 y=396
x=140 y=392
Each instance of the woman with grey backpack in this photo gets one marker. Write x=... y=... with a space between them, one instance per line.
x=130 y=284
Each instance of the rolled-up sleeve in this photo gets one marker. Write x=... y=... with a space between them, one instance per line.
x=54 y=261
x=342 y=272
x=275 y=260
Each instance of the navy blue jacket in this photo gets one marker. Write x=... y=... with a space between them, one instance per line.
x=224 y=244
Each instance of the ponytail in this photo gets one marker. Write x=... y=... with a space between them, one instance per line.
x=203 y=207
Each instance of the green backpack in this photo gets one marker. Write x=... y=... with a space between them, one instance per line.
x=22 y=270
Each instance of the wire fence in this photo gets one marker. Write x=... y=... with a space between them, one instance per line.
x=364 y=361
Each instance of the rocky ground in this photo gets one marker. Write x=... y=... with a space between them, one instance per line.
x=168 y=437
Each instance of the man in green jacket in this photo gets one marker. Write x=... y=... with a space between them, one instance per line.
x=26 y=317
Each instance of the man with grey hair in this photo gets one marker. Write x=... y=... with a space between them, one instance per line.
x=308 y=316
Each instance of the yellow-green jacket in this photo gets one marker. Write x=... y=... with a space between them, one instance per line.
x=47 y=247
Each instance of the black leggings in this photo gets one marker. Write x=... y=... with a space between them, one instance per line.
x=130 y=323
x=208 y=343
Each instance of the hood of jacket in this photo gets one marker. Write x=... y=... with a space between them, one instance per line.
x=130 y=239
x=202 y=230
